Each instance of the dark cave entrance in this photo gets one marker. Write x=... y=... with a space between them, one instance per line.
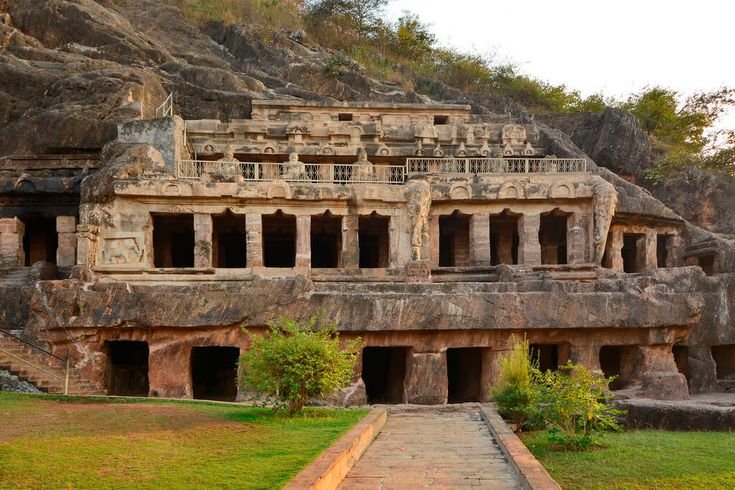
x=127 y=367
x=214 y=372
x=464 y=373
x=384 y=372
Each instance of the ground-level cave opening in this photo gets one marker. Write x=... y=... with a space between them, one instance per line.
x=279 y=240
x=173 y=240
x=229 y=243
x=127 y=367
x=374 y=241
x=326 y=241
x=214 y=372
x=546 y=356
x=724 y=357
x=464 y=374
x=454 y=240
x=621 y=361
x=681 y=358
x=384 y=373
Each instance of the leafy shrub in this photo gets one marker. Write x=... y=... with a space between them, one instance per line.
x=293 y=362
x=573 y=404
x=513 y=391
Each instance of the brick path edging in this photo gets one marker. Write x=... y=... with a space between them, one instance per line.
x=328 y=470
x=531 y=474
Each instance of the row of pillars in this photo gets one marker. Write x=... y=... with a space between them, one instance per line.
x=646 y=250
x=203 y=229
x=529 y=246
x=12 y=234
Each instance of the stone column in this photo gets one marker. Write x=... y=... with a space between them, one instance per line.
x=660 y=378
x=576 y=238
x=651 y=242
x=673 y=249
x=303 y=241
x=426 y=378
x=254 y=239
x=586 y=355
x=394 y=241
x=433 y=241
x=350 y=245
x=202 y=240
x=66 y=253
x=169 y=365
x=480 y=239
x=529 y=247
x=616 y=250
x=87 y=239
x=489 y=372
x=11 y=242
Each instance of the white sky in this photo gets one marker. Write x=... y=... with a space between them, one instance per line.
x=615 y=47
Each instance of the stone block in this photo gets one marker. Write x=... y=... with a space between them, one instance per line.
x=66 y=224
x=664 y=385
x=529 y=248
x=418 y=271
x=480 y=239
x=66 y=253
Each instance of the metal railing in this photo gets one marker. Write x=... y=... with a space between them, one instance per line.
x=63 y=360
x=495 y=165
x=293 y=172
x=166 y=109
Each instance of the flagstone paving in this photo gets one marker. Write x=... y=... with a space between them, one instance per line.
x=432 y=448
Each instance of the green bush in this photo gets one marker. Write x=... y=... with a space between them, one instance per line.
x=573 y=404
x=293 y=362
x=513 y=391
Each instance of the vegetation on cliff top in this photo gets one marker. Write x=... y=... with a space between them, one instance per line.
x=407 y=52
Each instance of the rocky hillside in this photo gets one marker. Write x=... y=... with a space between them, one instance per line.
x=70 y=70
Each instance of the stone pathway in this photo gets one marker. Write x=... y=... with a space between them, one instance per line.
x=432 y=448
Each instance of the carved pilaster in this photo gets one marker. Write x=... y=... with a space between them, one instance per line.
x=87 y=245
x=350 y=247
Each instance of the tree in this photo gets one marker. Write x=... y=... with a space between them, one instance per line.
x=294 y=361
x=359 y=16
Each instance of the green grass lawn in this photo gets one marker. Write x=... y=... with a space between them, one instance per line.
x=643 y=459
x=57 y=442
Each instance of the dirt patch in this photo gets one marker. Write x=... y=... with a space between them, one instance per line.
x=69 y=419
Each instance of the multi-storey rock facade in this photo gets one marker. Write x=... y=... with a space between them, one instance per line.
x=435 y=235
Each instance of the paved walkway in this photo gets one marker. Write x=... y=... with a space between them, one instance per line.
x=432 y=448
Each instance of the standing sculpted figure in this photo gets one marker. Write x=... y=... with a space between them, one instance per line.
x=419 y=204
x=604 y=200
x=363 y=168
x=293 y=169
x=229 y=165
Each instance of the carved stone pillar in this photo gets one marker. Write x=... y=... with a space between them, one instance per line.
x=433 y=241
x=650 y=256
x=202 y=240
x=87 y=240
x=394 y=241
x=586 y=355
x=660 y=378
x=673 y=250
x=489 y=373
x=350 y=245
x=505 y=248
x=426 y=378
x=11 y=242
x=66 y=252
x=480 y=239
x=616 y=250
x=577 y=238
x=303 y=241
x=529 y=247
x=254 y=239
